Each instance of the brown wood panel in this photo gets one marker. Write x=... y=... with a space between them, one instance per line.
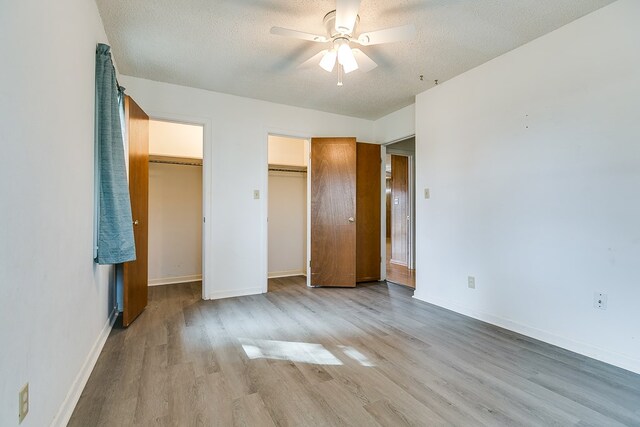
x=368 y=207
x=333 y=203
x=399 y=209
x=135 y=273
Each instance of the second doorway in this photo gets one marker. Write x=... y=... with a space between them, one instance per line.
x=400 y=212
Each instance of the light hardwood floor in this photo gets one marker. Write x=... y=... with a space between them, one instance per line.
x=397 y=273
x=366 y=356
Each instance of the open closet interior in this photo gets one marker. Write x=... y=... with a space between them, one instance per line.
x=175 y=202
x=324 y=210
x=287 y=215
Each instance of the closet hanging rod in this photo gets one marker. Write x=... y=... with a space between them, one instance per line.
x=168 y=162
x=287 y=170
x=175 y=160
x=275 y=167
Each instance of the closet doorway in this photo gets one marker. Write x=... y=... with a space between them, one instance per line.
x=175 y=202
x=287 y=231
x=400 y=212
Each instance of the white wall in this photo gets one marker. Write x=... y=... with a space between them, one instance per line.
x=55 y=300
x=175 y=139
x=175 y=223
x=533 y=161
x=236 y=134
x=395 y=126
x=287 y=223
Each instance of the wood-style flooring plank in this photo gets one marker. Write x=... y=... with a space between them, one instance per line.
x=371 y=355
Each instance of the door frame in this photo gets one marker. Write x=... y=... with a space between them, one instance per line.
x=265 y=200
x=207 y=183
x=412 y=203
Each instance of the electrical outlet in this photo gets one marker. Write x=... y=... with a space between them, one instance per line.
x=426 y=193
x=256 y=194
x=600 y=300
x=471 y=282
x=23 y=402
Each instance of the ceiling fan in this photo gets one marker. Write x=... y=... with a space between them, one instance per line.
x=341 y=32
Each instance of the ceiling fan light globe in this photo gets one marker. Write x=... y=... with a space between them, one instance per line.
x=328 y=61
x=346 y=58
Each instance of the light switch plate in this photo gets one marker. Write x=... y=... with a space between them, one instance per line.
x=471 y=282
x=256 y=194
x=426 y=193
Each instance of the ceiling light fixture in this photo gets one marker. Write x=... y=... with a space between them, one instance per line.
x=341 y=26
x=345 y=56
x=328 y=61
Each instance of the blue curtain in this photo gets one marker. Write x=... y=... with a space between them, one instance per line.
x=115 y=228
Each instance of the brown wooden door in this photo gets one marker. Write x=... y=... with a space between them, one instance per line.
x=135 y=273
x=399 y=210
x=368 y=208
x=333 y=212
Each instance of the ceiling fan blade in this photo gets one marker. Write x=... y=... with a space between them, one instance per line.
x=364 y=62
x=314 y=60
x=346 y=15
x=387 y=35
x=285 y=32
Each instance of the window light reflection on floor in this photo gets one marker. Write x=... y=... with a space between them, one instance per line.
x=355 y=355
x=302 y=352
x=285 y=350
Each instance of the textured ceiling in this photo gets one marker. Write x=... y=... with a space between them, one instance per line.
x=225 y=46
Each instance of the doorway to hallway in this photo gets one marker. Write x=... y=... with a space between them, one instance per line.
x=400 y=212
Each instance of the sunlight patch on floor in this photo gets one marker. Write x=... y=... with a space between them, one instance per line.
x=356 y=355
x=286 y=350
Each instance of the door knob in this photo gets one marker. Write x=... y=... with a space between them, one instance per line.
x=351 y=219
x=136 y=222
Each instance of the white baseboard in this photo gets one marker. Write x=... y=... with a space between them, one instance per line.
x=607 y=356
x=235 y=293
x=287 y=273
x=174 y=280
x=71 y=400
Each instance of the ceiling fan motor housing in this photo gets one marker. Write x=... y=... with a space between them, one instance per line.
x=329 y=22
